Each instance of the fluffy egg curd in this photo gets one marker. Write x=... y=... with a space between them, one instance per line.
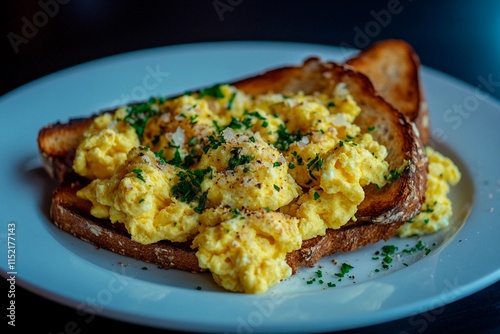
x=244 y=178
x=437 y=209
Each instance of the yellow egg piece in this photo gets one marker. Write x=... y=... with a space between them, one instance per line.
x=249 y=173
x=437 y=208
x=104 y=147
x=247 y=252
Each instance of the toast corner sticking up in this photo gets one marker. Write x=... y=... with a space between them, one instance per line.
x=393 y=66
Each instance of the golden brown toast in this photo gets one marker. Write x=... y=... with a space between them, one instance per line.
x=57 y=144
x=378 y=217
x=394 y=69
x=71 y=214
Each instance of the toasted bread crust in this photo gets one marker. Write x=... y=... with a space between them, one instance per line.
x=401 y=199
x=378 y=216
x=57 y=144
x=394 y=68
x=71 y=214
x=346 y=239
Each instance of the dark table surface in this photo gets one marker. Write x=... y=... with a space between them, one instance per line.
x=460 y=38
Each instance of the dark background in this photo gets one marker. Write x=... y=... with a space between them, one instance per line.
x=460 y=38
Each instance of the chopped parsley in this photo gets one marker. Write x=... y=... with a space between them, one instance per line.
x=213 y=143
x=314 y=164
x=428 y=208
x=217 y=127
x=177 y=159
x=389 y=249
x=255 y=114
x=237 y=124
x=139 y=114
x=344 y=270
x=190 y=160
x=388 y=253
x=193 y=119
x=317 y=278
x=235 y=212
x=285 y=138
x=420 y=246
x=160 y=157
x=300 y=160
x=246 y=122
x=237 y=159
x=138 y=173
x=231 y=100
x=188 y=189
x=213 y=91
x=348 y=140
x=393 y=175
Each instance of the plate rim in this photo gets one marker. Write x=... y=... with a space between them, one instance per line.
x=485 y=281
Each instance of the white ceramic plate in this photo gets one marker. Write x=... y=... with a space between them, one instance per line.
x=462 y=259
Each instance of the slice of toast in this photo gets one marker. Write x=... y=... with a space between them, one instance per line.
x=394 y=69
x=71 y=214
x=378 y=217
x=57 y=144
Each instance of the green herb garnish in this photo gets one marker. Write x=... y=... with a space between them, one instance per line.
x=314 y=164
x=237 y=159
x=344 y=270
x=214 y=91
x=138 y=115
x=316 y=196
x=393 y=175
x=214 y=143
x=285 y=138
x=138 y=173
x=230 y=103
x=188 y=189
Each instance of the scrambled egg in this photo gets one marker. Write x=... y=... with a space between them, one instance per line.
x=245 y=179
x=247 y=252
x=105 y=145
x=437 y=208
